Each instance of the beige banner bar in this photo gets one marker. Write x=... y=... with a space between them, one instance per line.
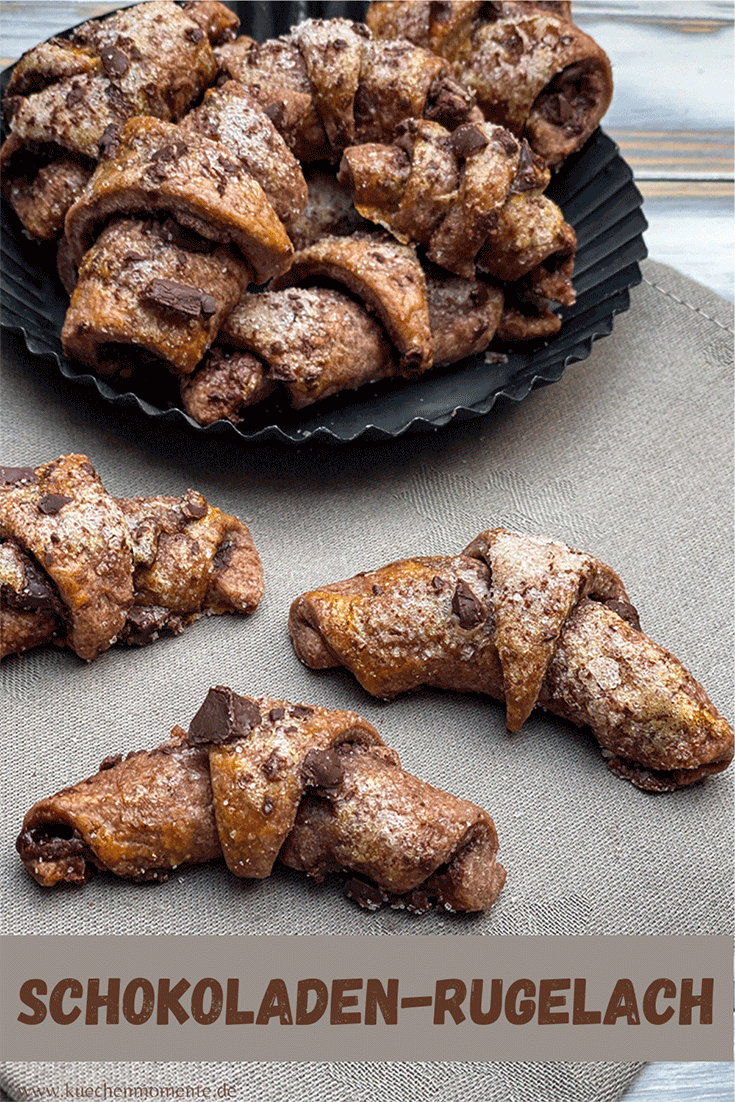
x=366 y=998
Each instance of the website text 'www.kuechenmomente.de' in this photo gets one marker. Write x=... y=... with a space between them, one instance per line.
x=140 y=1092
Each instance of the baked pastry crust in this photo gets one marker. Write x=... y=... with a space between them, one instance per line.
x=530 y=67
x=83 y=569
x=528 y=621
x=260 y=780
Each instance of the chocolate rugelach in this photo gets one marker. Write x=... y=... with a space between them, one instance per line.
x=473 y=197
x=330 y=83
x=68 y=97
x=528 y=621
x=259 y=781
x=530 y=67
x=350 y=310
x=82 y=569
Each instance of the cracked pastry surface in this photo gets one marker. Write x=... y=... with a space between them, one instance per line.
x=67 y=96
x=528 y=621
x=256 y=781
x=83 y=569
x=530 y=67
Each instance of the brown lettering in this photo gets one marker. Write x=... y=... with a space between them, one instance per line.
x=337 y=1014
x=520 y=1013
x=444 y=1002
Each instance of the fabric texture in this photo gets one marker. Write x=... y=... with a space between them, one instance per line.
x=628 y=457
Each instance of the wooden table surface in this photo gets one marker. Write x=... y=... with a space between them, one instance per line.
x=672 y=116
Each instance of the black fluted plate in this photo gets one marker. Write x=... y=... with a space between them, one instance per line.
x=596 y=192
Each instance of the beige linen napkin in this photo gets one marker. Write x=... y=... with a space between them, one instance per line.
x=629 y=457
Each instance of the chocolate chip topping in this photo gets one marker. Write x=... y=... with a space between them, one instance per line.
x=114 y=62
x=506 y=141
x=75 y=95
x=301 y=711
x=530 y=172
x=223 y=717
x=37 y=594
x=15 y=476
x=195 y=510
x=626 y=612
x=51 y=504
x=323 y=769
x=377 y=589
x=180 y=298
x=110 y=762
x=467 y=607
x=438 y=583
x=109 y=142
x=367 y=895
x=274 y=765
x=275 y=714
x=467 y=139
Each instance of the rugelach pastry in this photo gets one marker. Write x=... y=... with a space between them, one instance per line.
x=473 y=197
x=329 y=84
x=350 y=310
x=530 y=67
x=259 y=781
x=82 y=569
x=67 y=98
x=530 y=622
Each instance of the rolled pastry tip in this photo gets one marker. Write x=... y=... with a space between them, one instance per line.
x=318 y=341
x=531 y=69
x=471 y=196
x=154 y=167
x=258 y=781
x=40 y=186
x=83 y=569
x=231 y=116
x=66 y=96
x=328 y=84
x=530 y=622
x=150 y=294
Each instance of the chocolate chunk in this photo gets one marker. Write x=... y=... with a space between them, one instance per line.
x=467 y=607
x=275 y=714
x=274 y=765
x=75 y=95
x=109 y=142
x=172 y=151
x=194 y=34
x=110 y=762
x=365 y=894
x=301 y=711
x=323 y=769
x=626 y=612
x=114 y=62
x=37 y=594
x=223 y=717
x=195 y=510
x=467 y=139
x=377 y=590
x=51 y=504
x=530 y=172
x=12 y=476
x=506 y=141
x=438 y=583
x=178 y=297
x=222 y=556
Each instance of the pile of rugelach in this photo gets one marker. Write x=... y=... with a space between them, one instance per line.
x=345 y=203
